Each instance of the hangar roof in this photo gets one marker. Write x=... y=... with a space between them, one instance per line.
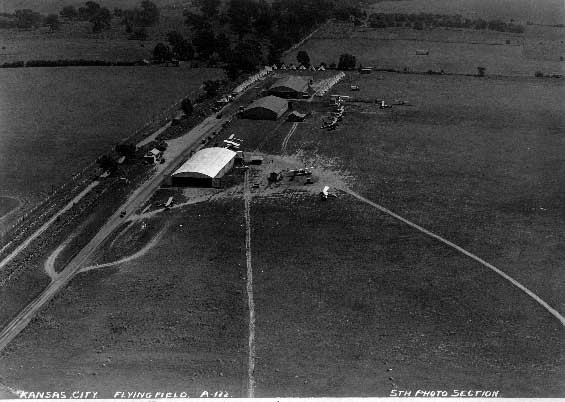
x=292 y=82
x=273 y=103
x=207 y=162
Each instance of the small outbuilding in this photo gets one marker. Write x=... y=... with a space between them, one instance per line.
x=205 y=168
x=267 y=108
x=296 y=116
x=153 y=156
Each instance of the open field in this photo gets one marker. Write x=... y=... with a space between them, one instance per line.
x=173 y=320
x=451 y=50
x=76 y=41
x=478 y=161
x=7 y=205
x=352 y=303
x=348 y=301
x=539 y=12
x=54 y=6
x=55 y=121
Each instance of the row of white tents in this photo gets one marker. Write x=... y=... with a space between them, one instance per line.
x=253 y=79
x=300 y=67
x=325 y=85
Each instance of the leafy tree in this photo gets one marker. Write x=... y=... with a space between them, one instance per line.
x=204 y=41
x=139 y=34
x=264 y=19
x=346 y=62
x=180 y=47
x=241 y=14
x=52 y=21
x=246 y=56
x=211 y=87
x=128 y=150
x=223 y=46
x=303 y=58
x=186 y=106
x=69 y=12
x=418 y=25
x=148 y=15
x=209 y=8
x=89 y=11
x=27 y=19
x=194 y=21
x=107 y=163
x=162 y=53
x=274 y=55
x=101 y=20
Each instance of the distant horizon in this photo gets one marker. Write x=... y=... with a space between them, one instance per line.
x=549 y=12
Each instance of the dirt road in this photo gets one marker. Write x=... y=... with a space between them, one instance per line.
x=249 y=286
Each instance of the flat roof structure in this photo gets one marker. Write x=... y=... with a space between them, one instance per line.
x=208 y=163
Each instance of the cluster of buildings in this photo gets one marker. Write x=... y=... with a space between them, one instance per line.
x=207 y=166
x=275 y=103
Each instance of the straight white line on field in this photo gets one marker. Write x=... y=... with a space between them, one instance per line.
x=539 y=300
x=250 y=301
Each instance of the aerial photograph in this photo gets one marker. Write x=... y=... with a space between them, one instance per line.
x=282 y=199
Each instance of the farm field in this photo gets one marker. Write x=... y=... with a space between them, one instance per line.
x=25 y=46
x=55 y=121
x=76 y=41
x=454 y=51
x=53 y=6
x=548 y=12
x=172 y=320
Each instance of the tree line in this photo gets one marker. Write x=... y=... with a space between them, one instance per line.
x=253 y=32
x=427 y=20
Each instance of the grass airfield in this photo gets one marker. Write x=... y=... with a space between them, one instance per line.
x=348 y=301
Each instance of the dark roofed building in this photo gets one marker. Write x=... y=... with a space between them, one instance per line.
x=292 y=86
x=267 y=108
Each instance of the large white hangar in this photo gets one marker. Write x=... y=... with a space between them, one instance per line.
x=267 y=108
x=205 y=168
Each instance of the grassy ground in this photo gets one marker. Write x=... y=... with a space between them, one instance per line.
x=7 y=204
x=477 y=161
x=171 y=321
x=454 y=51
x=542 y=12
x=51 y=141
x=352 y=303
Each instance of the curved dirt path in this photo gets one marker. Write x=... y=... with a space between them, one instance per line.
x=50 y=262
x=138 y=254
x=46 y=225
x=524 y=289
x=249 y=286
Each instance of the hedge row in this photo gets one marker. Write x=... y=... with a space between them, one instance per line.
x=70 y=63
